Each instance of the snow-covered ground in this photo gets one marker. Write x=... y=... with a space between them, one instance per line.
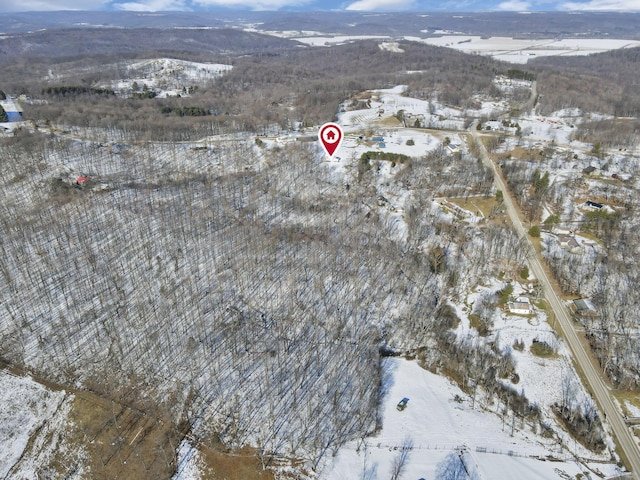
x=329 y=41
x=509 y=49
x=521 y=50
x=384 y=136
x=439 y=428
x=168 y=76
x=386 y=103
x=189 y=463
x=24 y=407
x=440 y=419
x=436 y=425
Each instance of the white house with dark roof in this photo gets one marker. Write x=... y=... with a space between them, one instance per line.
x=521 y=305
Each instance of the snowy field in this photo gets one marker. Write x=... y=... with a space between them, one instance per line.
x=330 y=41
x=502 y=48
x=440 y=421
x=520 y=50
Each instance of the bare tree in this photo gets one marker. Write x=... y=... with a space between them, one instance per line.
x=451 y=468
x=399 y=463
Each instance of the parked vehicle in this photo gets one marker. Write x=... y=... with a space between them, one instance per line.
x=402 y=404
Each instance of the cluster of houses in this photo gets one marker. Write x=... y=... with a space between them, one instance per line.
x=566 y=237
x=582 y=307
x=595 y=171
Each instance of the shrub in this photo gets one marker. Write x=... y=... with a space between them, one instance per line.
x=552 y=219
x=518 y=345
x=386 y=156
x=505 y=293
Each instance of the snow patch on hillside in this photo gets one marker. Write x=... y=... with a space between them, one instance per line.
x=329 y=41
x=24 y=407
x=168 y=76
x=189 y=463
x=441 y=420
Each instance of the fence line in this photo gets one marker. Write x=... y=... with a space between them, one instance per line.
x=478 y=449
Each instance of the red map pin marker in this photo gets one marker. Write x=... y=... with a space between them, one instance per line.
x=330 y=135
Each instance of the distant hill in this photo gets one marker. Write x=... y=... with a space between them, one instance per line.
x=624 y=62
x=69 y=43
x=536 y=25
x=605 y=82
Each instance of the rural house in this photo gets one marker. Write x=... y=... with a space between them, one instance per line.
x=522 y=306
x=571 y=244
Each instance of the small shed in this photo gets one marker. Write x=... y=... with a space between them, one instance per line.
x=584 y=308
x=561 y=231
x=453 y=148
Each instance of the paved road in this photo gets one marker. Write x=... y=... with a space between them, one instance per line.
x=592 y=373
